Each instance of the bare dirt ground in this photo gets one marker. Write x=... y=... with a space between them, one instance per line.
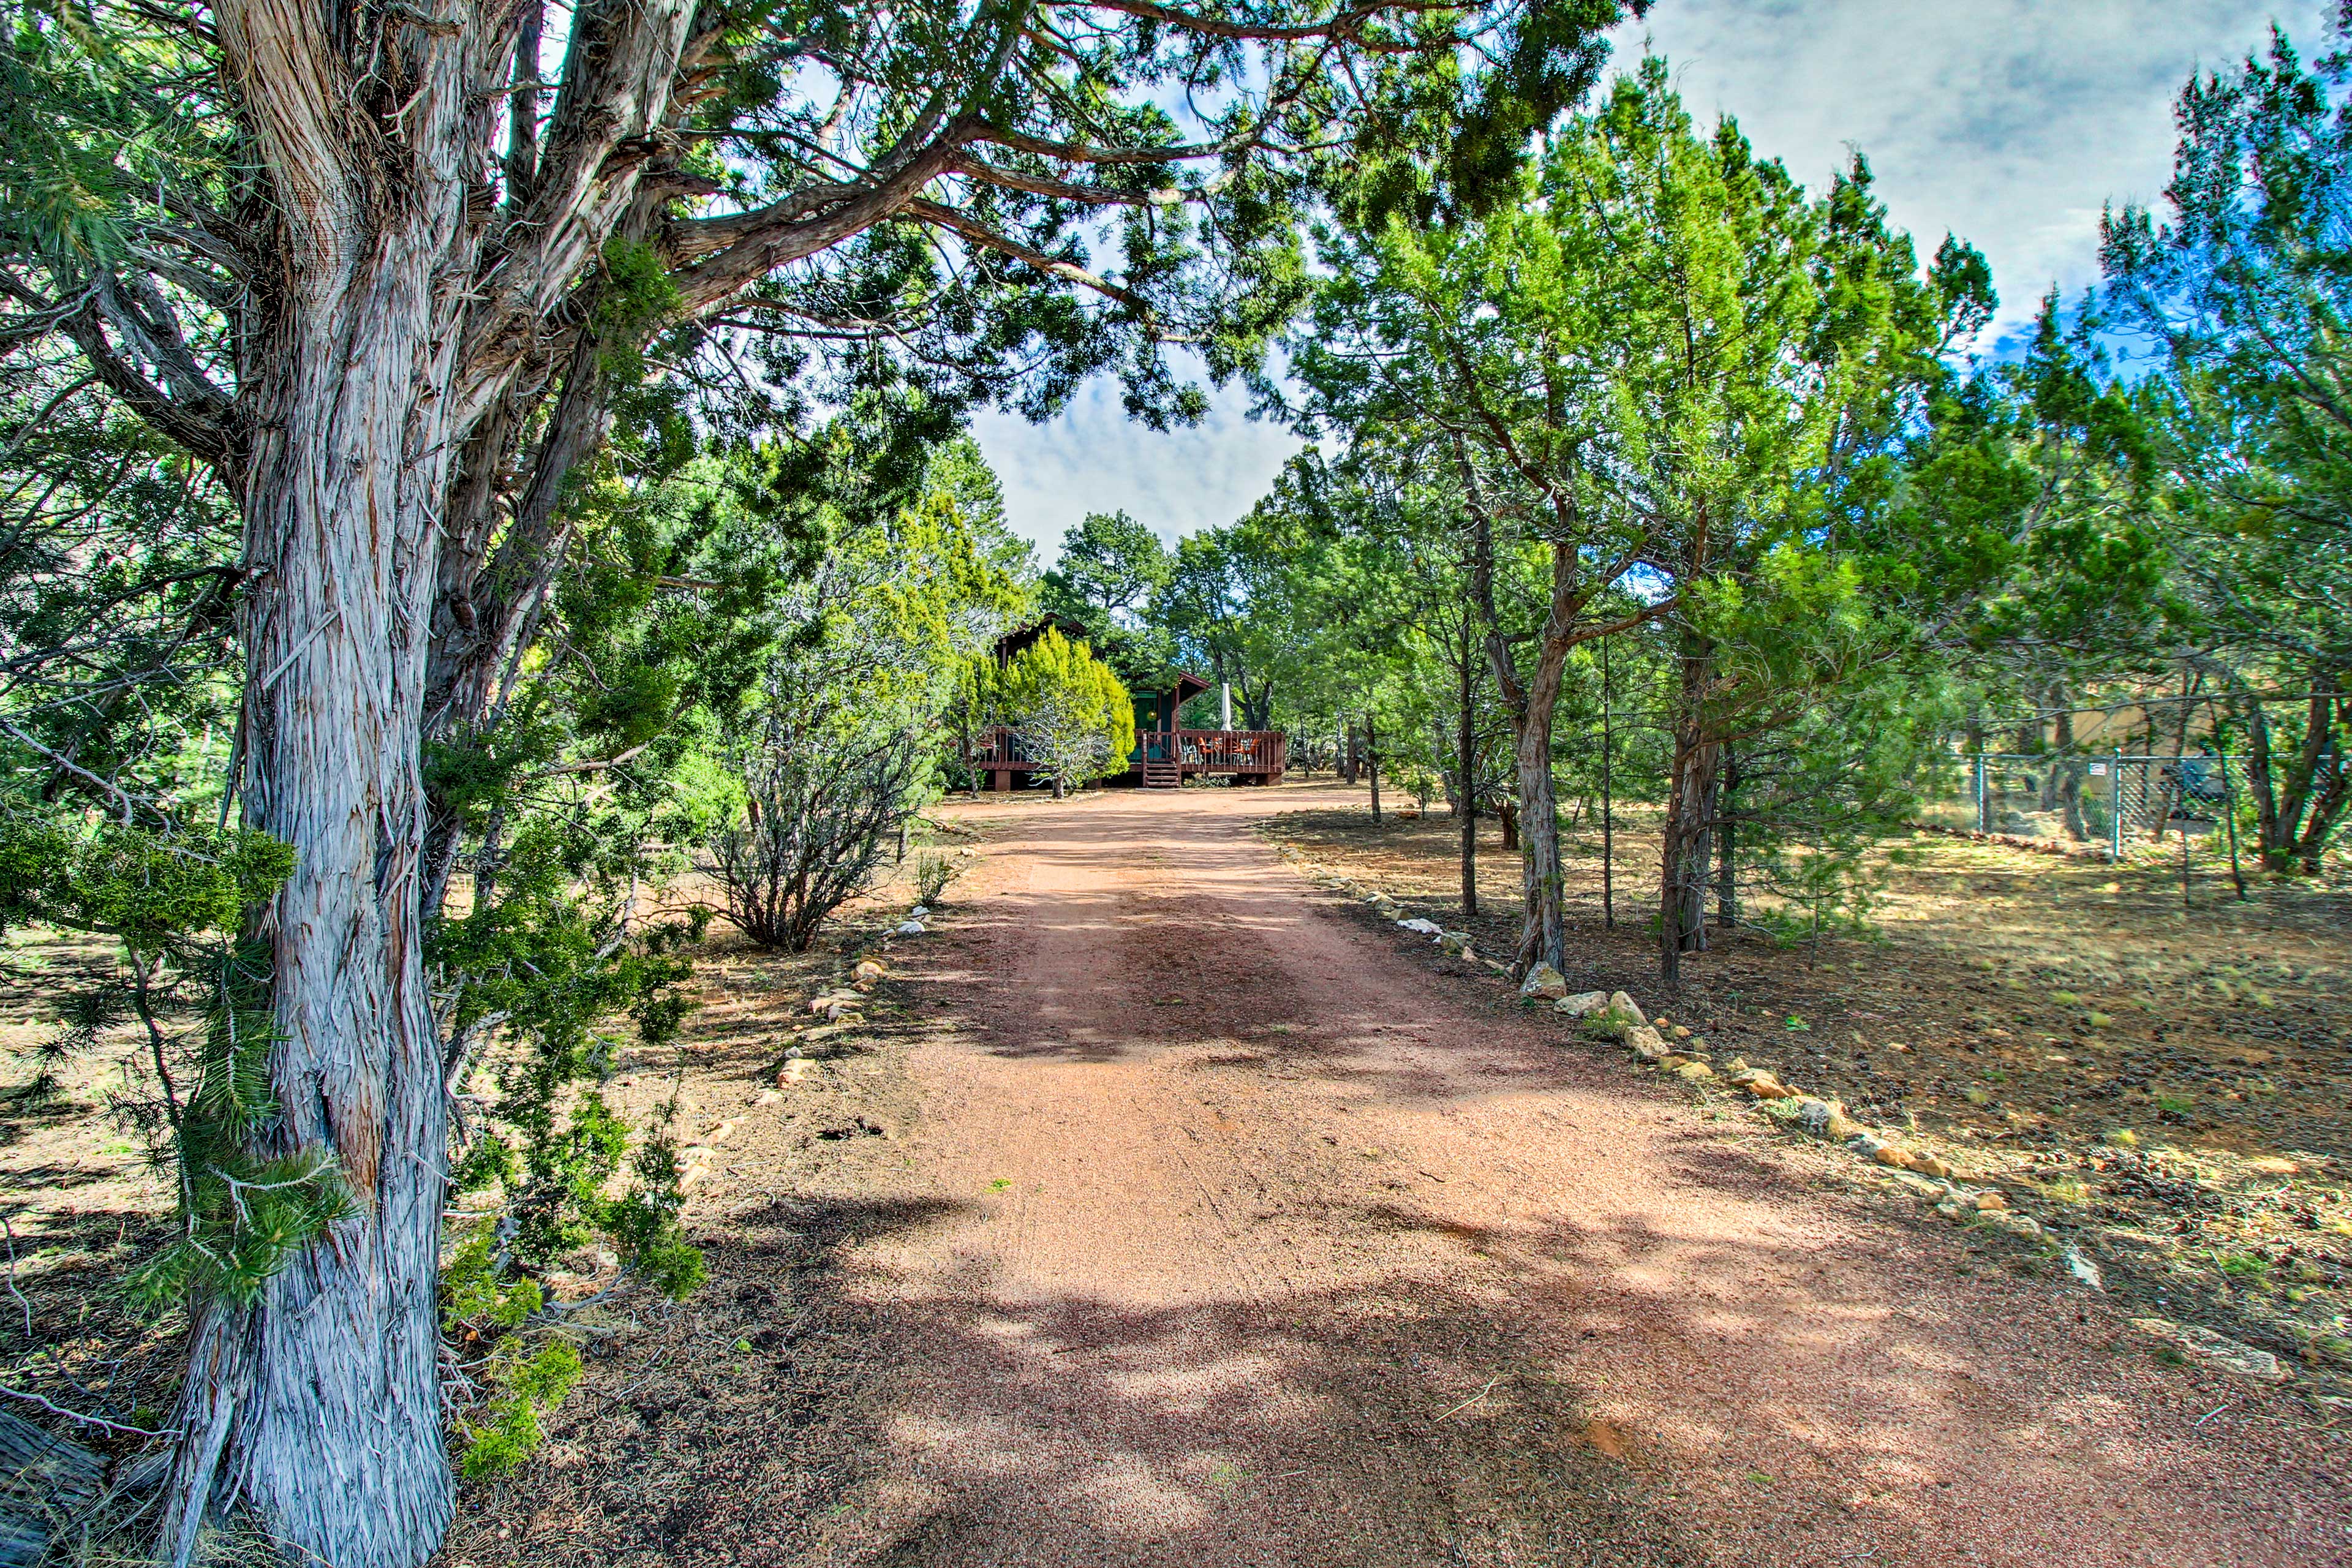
x=1171 y=1211
x=2170 y=1087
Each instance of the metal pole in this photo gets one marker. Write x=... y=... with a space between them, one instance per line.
x=2115 y=811
x=2230 y=805
x=1607 y=821
x=1984 y=807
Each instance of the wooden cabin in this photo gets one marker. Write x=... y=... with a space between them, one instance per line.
x=1165 y=754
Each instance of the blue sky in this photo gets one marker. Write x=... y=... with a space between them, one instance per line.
x=2009 y=122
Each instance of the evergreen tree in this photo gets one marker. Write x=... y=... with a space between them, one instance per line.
x=1074 y=716
x=2243 y=292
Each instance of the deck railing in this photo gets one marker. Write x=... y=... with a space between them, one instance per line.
x=1229 y=751
x=999 y=746
x=1195 y=751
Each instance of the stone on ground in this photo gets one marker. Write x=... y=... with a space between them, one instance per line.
x=1826 y=1118
x=2083 y=1269
x=1620 y=1003
x=2220 y=1349
x=1584 y=1002
x=1544 y=981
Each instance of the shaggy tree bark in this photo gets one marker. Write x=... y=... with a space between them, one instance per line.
x=2294 y=814
x=1693 y=786
x=1530 y=702
x=320 y=1404
x=1726 y=851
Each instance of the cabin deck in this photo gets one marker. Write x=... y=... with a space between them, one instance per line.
x=1162 y=759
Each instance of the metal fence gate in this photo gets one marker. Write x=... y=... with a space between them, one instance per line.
x=2114 y=802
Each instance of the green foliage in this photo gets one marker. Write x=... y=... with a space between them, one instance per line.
x=149 y=887
x=528 y=1386
x=637 y=296
x=1232 y=606
x=178 y=899
x=1109 y=565
x=1650 y=400
x=478 y=1297
x=871 y=644
x=1108 y=578
x=2243 y=292
x=1074 y=717
x=492 y=1304
x=933 y=873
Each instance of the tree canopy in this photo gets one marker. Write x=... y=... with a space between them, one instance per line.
x=463 y=470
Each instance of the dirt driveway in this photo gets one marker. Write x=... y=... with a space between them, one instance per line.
x=1218 y=1228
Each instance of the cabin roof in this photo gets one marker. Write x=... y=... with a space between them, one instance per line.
x=1183 y=689
x=1015 y=643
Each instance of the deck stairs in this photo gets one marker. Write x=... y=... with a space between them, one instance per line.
x=1162 y=775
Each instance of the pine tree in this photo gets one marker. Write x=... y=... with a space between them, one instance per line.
x=1072 y=712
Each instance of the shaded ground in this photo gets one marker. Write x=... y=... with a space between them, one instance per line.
x=1177 y=1215
x=79 y=1207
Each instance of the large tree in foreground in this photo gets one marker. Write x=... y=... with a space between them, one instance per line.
x=386 y=268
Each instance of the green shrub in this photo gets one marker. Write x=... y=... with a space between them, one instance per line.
x=529 y=1386
x=933 y=871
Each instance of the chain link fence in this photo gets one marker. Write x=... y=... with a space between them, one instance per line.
x=2116 y=802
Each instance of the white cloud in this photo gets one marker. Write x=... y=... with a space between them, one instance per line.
x=2007 y=122
x=1092 y=458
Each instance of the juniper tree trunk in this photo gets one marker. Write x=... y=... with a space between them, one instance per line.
x=386 y=375
x=1726 y=852
x=2258 y=775
x=1698 y=855
x=1541 y=931
x=318 y=1405
x=2068 y=775
x=1608 y=800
